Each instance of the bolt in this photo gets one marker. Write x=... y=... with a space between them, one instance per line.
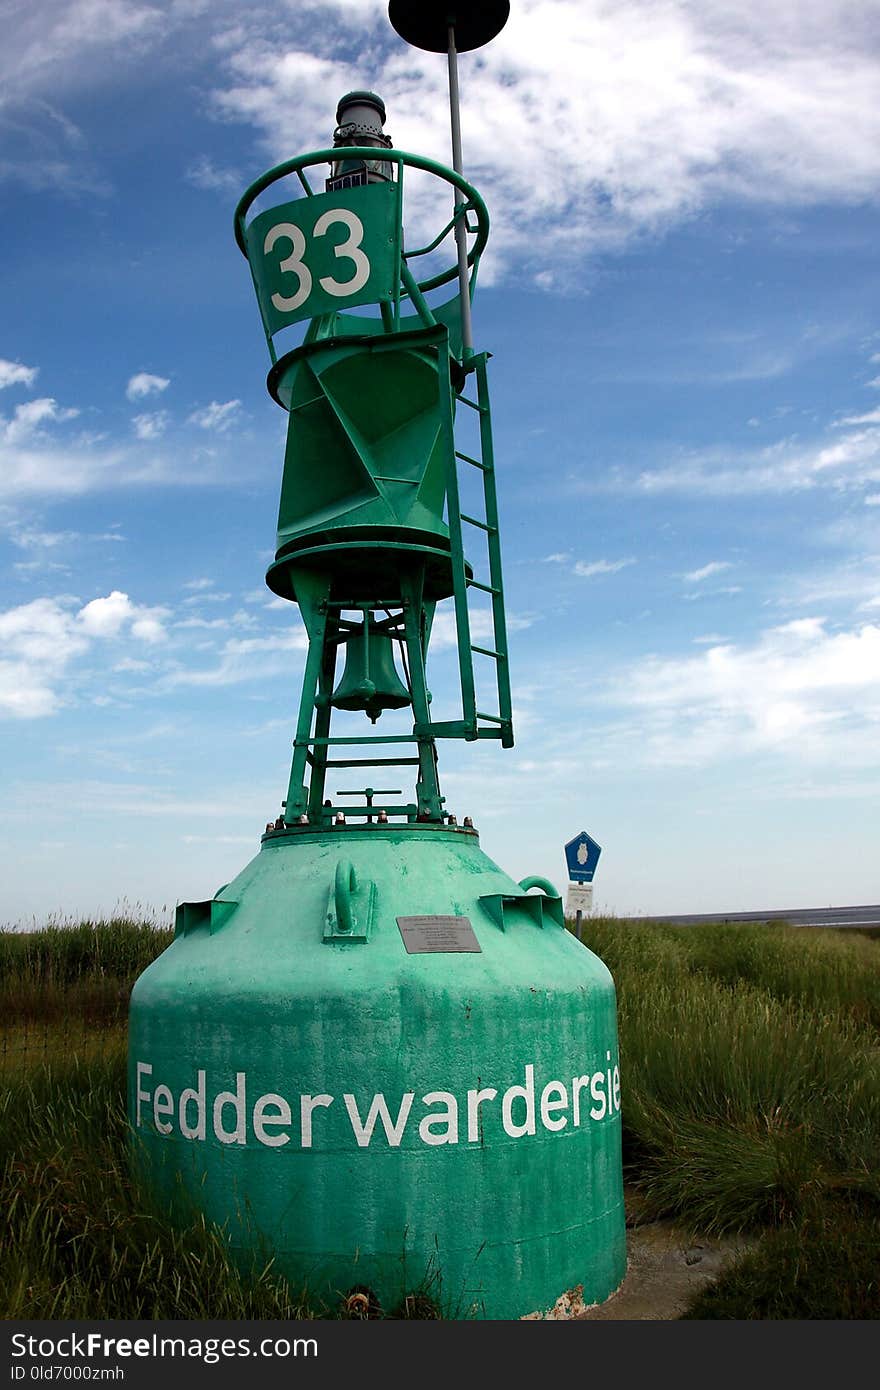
x=382 y=818
x=270 y=826
x=340 y=818
x=450 y=819
x=303 y=820
x=468 y=823
x=279 y=824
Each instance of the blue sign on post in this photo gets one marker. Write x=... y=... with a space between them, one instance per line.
x=582 y=856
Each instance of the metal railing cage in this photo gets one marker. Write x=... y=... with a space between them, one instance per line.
x=470 y=212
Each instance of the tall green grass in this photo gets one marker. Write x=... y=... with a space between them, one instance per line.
x=829 y=971
x=77 y=970
x=79 y=1237
x=751 y=1103
x=740 y=1110
x=825 y=1267
x=746 y=1101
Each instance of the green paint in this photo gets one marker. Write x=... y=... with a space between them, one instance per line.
x=361 y=1112
x=304 y=1000
x=320 y=254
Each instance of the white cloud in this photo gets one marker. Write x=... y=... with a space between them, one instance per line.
x=54 y=43
x=144 y=384
x=148 y=627
x=151 y=425
x=592 y=122
x=55 y=50
x=632 y=115
x=588 y=569
x=133 y=664
x=205 y=174
x=245 y=659
x=444 y=634
x=789 y=465
x=89 y=797
x=33 y=464
x=872 y=500
x=28 y=418
x=203 y=595
x=758 y=365
x=799 y=690
x=240 y=618
x=696 y=595
x=83 y=23
x=40 y=640
x=31 y=539
x=216 y=416
x=872 y=417
x=713 y=567
x=15 y=374
x=205 y=624
x=42 y=148
x=585 y=122
x=105 y=617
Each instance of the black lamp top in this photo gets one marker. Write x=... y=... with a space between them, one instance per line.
x=425 y=23
x=361 y=99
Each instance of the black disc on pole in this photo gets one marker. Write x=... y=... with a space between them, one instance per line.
x=425 y=23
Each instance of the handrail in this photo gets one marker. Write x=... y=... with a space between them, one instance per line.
x=345 y=886
x=399 y=157
x=462 y=211
x=536 y=881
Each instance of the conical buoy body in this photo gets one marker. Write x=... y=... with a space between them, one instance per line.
x=443 y=1118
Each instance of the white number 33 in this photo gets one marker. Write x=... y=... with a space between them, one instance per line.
x=294 y=264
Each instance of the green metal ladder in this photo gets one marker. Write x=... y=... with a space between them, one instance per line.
x=312 y=747
x=476 y=723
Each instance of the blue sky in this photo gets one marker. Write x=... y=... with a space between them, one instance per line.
x=681 y=296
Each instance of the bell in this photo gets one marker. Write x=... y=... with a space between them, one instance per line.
x=370 y=681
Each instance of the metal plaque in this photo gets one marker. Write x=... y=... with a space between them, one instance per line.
x=425 y=934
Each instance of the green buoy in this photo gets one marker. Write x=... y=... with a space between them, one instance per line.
x=374 y=1056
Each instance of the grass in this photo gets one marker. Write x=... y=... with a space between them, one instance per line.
x=751 y=1104
x=80 y=1239
x=742 y=1110
x=826 y=1268
x=77 y=970
x=830 y=971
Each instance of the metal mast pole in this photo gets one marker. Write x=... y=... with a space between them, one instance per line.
x=453 y=26
x=467 y=337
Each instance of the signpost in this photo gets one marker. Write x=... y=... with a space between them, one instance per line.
x=581 y=856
